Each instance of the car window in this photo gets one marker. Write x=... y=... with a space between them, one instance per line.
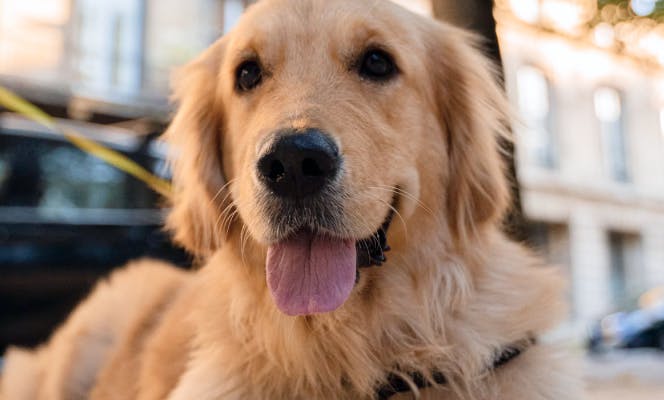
x=53 y=176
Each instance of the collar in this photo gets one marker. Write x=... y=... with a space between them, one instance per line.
x=397 y=384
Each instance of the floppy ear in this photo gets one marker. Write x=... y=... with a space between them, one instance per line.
x=195 y=137
x=474 y=114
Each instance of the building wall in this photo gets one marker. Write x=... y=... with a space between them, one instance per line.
x=579 y=191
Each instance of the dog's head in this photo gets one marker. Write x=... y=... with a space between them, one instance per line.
x=315 y=121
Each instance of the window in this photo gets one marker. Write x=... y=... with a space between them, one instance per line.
x=534 y=101
x=192 y=27
x=608 y=109
x=44 y=180
x=626 y=268
x=109 y=47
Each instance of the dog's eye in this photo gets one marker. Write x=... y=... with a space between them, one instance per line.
x=248 y=75
x=377 y=65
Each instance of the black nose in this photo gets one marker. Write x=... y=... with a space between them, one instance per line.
x=300 y=164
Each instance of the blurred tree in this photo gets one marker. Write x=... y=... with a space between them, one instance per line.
x=654 y=10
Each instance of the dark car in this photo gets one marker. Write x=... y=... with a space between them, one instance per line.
x=67 y=218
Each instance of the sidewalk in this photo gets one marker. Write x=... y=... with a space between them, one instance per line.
x=629 y=391
x=625 y=375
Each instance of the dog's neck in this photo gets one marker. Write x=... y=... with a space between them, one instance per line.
x=428 y=316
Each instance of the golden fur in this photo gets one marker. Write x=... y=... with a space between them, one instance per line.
x=454 y=289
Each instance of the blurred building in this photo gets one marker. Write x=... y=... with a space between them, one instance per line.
x=105 y=56
x=587 y=79
x=118 y=52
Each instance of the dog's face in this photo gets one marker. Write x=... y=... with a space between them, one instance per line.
x=314 y=122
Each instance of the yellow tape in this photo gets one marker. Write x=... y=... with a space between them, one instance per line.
x=13 y=102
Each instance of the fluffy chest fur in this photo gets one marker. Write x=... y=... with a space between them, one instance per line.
x=406 y=323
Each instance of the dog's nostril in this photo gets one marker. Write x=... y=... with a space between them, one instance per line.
x=277 y=171
x=311 y=168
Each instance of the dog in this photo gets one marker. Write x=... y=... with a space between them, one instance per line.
x=337 y=172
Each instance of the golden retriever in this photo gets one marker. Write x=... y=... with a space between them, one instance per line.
x=337 y=171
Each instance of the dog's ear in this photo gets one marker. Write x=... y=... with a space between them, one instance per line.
x=474 y=115
x=195 y=137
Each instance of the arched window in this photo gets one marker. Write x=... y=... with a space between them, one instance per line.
x=534 y=101
x=109 y=46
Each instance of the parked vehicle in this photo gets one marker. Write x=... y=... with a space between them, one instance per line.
x=66 y=219
x=641 y=328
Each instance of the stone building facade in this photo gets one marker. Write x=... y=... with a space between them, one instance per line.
x=590 y=153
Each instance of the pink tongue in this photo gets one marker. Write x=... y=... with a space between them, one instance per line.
x=309 y=274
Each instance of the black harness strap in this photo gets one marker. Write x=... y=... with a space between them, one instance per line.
x=397 y=384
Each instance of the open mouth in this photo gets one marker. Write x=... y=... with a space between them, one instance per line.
x=310 y=273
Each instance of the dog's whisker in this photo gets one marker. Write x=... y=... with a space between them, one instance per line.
x=216 y=206
x=243 y=233
x=226 y=185
x=401 y=191
x=227 y=223
x=391 y=207
x=406 y=194
x=226 y=196
x=228 y=213
x=221 y=215
x=221 y=227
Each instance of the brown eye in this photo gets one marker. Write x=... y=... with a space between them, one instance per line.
x=377 y=65
x=248 y=75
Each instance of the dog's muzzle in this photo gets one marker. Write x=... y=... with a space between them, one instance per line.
x=310 y=268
